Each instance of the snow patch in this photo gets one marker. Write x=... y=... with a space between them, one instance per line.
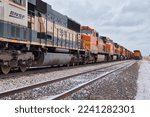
x=143 y=83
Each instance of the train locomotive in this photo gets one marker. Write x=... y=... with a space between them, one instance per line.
x=137 y=55
x=33 y=34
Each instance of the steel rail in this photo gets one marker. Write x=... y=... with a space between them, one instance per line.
x=75 y=89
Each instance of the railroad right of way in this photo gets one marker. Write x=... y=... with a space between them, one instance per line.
x=37 y=90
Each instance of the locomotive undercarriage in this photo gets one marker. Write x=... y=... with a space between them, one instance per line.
x=15 y=57
x=22 y=57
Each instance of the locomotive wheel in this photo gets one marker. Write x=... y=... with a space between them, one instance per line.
x=5 y=69
x=23 y=68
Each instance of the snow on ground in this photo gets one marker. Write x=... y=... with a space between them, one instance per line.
x=143 y=92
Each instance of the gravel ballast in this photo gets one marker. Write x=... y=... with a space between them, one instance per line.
x=118 y=86
x=31 y=79
x=56 y=88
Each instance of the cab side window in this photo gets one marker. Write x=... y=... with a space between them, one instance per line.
x=20 y=2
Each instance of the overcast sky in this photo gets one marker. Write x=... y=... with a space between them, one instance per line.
x=127 y=22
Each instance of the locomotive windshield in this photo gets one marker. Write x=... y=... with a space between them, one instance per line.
x=87 y=32
x=109 y=42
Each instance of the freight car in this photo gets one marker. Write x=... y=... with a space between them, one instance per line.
x=137 y=55
x=33 y=34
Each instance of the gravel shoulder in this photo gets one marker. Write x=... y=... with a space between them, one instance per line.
x=118 y=86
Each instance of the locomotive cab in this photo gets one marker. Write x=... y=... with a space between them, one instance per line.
x=110 y=46
x=90 y=39
x=14 y=11
x=137 y=55
x=14 y=35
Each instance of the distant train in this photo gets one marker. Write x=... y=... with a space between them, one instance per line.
x=33 y=34
x=137 y=55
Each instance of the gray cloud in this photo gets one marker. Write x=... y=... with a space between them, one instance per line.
x=125 y=21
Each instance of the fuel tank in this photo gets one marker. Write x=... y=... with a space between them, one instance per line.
x=48 y=59
x=114 y=58
x=101 y=58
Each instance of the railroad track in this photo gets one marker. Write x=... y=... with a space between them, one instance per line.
x=104 y=72
x=79 y=87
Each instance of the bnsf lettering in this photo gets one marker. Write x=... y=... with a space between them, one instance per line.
x=16 y=15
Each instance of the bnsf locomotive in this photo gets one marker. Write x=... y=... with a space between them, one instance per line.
x=33 y=34
x=137 y=55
